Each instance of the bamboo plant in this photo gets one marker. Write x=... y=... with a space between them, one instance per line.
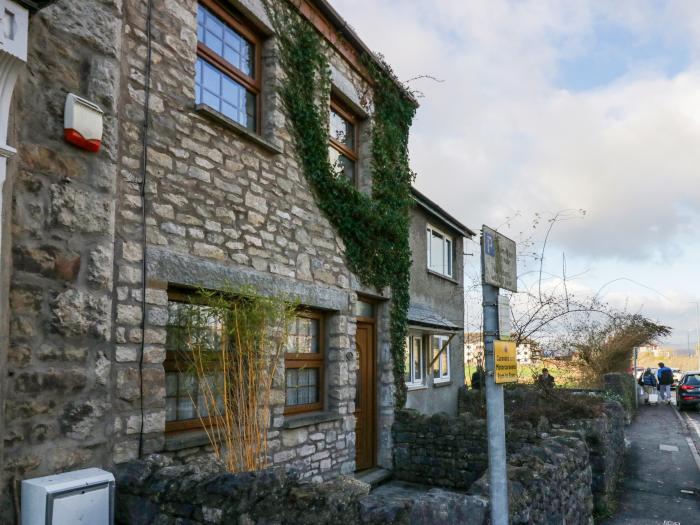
x=235 y=341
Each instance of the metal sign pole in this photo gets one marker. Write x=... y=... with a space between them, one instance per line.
x=495 y=418
x=634 y=375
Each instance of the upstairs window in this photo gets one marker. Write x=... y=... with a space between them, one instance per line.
x=342 y=149
x=440 y=248
x=304 y=363
x=441 y=365
x=415 y=361
x=227 y=76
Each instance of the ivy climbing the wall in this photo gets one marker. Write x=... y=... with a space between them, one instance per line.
x=374 y=228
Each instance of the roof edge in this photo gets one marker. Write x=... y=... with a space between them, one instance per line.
x=35 y=5
x=436 y=210
x=353 y=38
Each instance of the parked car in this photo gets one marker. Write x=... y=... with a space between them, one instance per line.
x=677 y=375
x=688 y=392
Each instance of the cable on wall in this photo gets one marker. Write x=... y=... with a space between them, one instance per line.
x=144 y=166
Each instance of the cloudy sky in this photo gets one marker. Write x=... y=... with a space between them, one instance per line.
x=544 y=106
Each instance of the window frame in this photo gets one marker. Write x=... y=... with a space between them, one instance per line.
x=450 y=256
x=352 y=154
x=295 y=360
x=252 y=84
x=442 y=378
x=172 y=364
x=412 y=382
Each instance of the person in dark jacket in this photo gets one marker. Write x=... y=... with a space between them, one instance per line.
x=545 y=379
x=665 y=377
x=647 y=380
x=478 y=378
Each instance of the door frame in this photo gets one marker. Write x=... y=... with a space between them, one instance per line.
x=372 y=323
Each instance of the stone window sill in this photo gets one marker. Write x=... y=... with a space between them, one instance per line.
x=438 y=384
x=186 y=439
x=441 y=276
x=231 y=124
x=412 y=388
x=305 y=420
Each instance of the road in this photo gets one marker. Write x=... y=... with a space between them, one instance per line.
x=661 y=484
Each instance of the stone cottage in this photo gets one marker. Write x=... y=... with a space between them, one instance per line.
x=196 y=185
x=435 y=344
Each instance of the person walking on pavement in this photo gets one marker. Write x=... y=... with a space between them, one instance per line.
x=665 y=377
x=647 y=380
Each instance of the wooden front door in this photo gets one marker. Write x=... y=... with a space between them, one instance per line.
x=365 y=398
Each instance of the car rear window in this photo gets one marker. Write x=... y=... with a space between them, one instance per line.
x=693 y=380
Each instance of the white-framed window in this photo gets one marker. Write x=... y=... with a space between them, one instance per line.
x=440 y=252
x=441 y=365
x=415 y=368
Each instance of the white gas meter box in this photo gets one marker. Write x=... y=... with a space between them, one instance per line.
x=82 y=123
x=72 y=498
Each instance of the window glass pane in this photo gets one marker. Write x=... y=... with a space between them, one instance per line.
x=436 y=252
x=214 y=42
x=436 y=364
x=342 y=130
x=190 y=326
x=170 y=384
x=225 y=41
x=224 y=94
x=342 y=166
x=364 y=309
x=448 y=256
x=304 y=336
x=170 y=408
x=417 y=359
x=443 y=363
x=200 y=22
x=250 y=111
x=407 y=361
x=302 y=386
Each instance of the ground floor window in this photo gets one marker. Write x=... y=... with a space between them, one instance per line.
x=441 y=358
x=415 y=361
x=304 y=362
x=185 y=406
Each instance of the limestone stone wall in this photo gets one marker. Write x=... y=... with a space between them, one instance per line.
x=605 y=437
x=58 y=398
x=439 y=450
x=221 y=208
x=238 y=210
x=584 y=456
x=158 y=491
x=548 y=483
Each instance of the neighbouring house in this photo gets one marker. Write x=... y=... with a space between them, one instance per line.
x=197 y=184
x=434 y=365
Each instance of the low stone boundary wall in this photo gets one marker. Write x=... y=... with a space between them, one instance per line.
x=157 y=491
x=623 y=386
x=439 y=450
x=605 y=437
x=549 y=483
x=567 y=467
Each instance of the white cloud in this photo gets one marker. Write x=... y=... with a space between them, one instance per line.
x=500 y=134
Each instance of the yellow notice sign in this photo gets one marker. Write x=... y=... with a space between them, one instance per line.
x=506 y=363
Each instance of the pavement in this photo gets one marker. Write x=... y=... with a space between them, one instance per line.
x=661 y=483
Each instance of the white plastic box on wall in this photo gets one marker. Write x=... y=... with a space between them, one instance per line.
x=79 y=497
